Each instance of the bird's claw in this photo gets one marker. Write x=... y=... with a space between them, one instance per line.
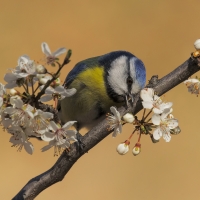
x=80 y=143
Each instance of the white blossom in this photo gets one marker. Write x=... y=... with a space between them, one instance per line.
x=123 y=148
x=193 y=85
x=13 y=92
x=20 y=113
x=44 y=78
x=25 y=67
x=40 y=120
x=114 y=121
x=51 y=57
x=59 y=133
x=136 y=149
x=40 y=69
x=197 y=44
x=59 y=146
x=59 y=137
x=152 y=101
x=164 y=125
x=129 y=118
x=2 y=93
x=60 y=92
x=13 y=98
x=11 y=79
x=20 y=139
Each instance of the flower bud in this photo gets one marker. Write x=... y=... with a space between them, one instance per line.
x=12 y=98
x=197 y=44
x=14 y=92
x=175 y=131
x=123 y=148
x=129 y=118
x=136 y=149
x=40 y=76
x=40 y=69
x=44 y=80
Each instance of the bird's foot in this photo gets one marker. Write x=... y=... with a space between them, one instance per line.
x=80 y=143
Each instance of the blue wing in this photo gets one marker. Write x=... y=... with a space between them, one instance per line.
x=79 y=67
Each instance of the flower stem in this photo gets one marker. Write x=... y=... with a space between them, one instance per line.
x=143 y=114
x=147 y=114
x=132 y=133
x=27 y=86
x=139 y=137
x=32 y=86
x=55 y=102
x=36 y=89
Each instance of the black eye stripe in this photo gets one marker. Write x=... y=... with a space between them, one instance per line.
x=129 y=80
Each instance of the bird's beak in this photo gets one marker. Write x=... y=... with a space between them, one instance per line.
x=129 y=97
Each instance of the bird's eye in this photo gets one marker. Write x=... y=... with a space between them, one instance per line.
x=129 y=81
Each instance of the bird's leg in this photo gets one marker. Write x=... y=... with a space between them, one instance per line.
x=79 y=137
x=80 y=144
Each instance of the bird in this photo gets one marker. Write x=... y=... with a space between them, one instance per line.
x=101 y=82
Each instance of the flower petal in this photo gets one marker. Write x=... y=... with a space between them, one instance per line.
x=45 y=49
x=9 y=110
x=6 y=122
x=156 y=119
x=14 y=141
x=46 y=98
x=47 y=115
x=147 y=104
x=157 y=134
x=69 y=92
x=157 y=110
x=59 y=89
x=18 y=103
x=165 y=113
x=68 y=125
x=71 y=133
x=191 y=80
x=1 y=101
x=23 y=59
x=59 y=52
x=11 y=85
x=146 y=94
x=53 y=125
x=115 y=112
x=172 y=123
x=47 y=147
x=167 y=137
x=28 y=147
x=48 y=136
x=49 y=90
x=10 y=77
x=167 y=105
x=116 y=132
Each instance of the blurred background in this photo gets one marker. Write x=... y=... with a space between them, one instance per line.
x=161 y=33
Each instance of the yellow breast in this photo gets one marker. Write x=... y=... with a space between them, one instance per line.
x=91 y=93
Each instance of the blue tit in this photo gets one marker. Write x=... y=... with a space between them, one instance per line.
x=101 y=82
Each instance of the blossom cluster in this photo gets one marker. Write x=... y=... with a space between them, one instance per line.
x=162 y=121
x=20 y=113
x=193 y=85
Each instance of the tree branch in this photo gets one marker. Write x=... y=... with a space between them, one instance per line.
x=98 y=133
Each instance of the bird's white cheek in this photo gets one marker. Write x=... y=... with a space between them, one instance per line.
x=118 y=74
x=135 y=88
